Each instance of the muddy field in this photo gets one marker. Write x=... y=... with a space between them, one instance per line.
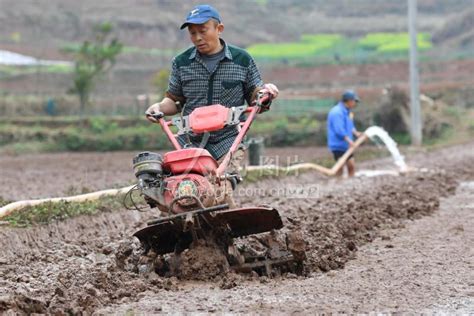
x=52 y=175
x=382 y=244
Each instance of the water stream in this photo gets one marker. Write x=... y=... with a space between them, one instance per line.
x=376 y=133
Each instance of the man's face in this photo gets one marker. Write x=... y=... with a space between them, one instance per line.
x=351 y=104
x=206 y=36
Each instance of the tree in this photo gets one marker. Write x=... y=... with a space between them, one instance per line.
x=93 y=59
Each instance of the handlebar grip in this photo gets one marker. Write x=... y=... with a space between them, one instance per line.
x=156 y=116
x=266 y=99
x=263 y=97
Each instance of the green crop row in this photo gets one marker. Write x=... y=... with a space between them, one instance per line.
x=394 y=42
x=308 y=46
x=100 y=134
x=330 y=45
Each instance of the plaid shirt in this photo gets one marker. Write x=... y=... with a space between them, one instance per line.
x=233 y=82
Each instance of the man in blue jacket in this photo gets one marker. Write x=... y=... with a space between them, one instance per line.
x=341 y=129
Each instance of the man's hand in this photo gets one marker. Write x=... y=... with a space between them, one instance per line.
x=270 y=88
x=357 y=134
x=349 y=141
x=153 y=113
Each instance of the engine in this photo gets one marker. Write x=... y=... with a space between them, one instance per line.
x=149 y=172
x=188 y=191
x=161 y=189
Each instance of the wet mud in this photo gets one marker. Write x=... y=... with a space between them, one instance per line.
x=87 y=263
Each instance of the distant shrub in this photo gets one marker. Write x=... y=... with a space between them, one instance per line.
x=291 y=131
x=102 y=124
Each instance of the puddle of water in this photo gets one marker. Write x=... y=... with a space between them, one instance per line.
x=376 y=173
x=468 y=185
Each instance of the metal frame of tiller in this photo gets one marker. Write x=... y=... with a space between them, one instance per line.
x=176 y=232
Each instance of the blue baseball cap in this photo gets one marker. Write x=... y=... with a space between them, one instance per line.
x=350 y=95
x=201 y=14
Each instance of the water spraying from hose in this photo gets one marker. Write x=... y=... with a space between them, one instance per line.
x=375 y=133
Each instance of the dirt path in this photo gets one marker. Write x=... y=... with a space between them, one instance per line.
x=384 y=242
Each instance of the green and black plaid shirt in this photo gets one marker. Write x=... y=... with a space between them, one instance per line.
x=234 y=81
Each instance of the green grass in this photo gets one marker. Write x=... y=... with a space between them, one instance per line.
x=261 y=2
x=28 y=147
x=91 y=134
x=48 y=212
x=289 y=122
x=100 y=134
x=334 y=48
x=309 y=45
x=7 y=71
x=394 y=42
x=290 y=130
x=447 y=135
x=4 y=202
x=299 y=123
x=300 y=107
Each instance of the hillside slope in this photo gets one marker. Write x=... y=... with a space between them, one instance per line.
x=40 y=28
x=458 y=31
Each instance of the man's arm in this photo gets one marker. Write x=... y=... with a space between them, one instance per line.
x=253 y=83
x=167 y=106
x=349 y=141
x=356 y=133
x=336 y=121
x=174 y=94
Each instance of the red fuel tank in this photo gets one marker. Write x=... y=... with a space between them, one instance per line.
x=189 y=160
